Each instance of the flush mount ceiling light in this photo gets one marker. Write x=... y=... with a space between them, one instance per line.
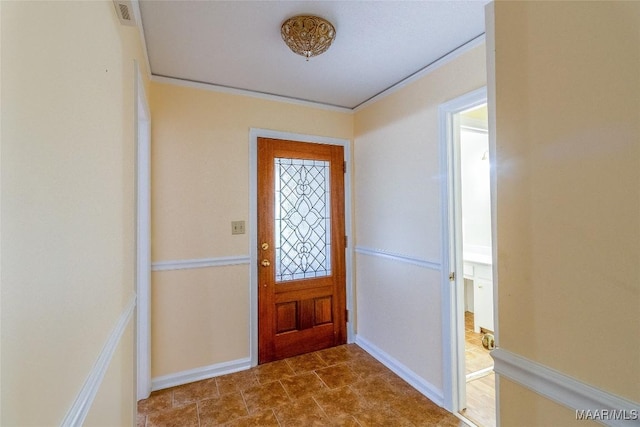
x=308 y=35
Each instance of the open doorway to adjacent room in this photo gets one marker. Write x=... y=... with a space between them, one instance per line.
x=469 y=329
x=473 y=190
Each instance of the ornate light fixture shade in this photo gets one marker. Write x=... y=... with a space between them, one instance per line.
x=308 y=35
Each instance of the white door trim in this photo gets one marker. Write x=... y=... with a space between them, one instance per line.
x=453 y=352
x=143 y=240
x=254 y=134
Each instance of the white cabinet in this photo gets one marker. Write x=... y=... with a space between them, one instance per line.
x=482 y=276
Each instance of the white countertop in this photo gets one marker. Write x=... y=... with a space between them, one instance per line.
x=477 y=258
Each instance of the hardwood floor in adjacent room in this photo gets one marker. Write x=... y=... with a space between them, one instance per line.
x=481 y=401
x=340 y=386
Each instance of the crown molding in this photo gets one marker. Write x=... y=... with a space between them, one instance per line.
x=245 y=92
x=479 y=40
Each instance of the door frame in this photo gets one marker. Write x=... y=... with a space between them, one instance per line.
x=143 y=239
x=254 y=134
x=453 y=342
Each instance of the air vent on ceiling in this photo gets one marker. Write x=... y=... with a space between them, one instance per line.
x=124 y=11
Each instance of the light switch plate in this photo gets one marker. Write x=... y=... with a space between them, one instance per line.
x=237 y=227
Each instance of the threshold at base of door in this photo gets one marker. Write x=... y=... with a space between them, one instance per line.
x=479 y=374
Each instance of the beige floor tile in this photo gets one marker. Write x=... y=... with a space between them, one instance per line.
x=376 y=391
x=273 y=371
x=193 y=392
x=158 y=401
x=185 y=416
x=303 y=412
x=261 y=419
x=337 y=376
x=335 y=355
x=367 y=366
x=382 y=416
x=267 y=396
x=344 y=421
x=421 y=411
x=340 y=402
x=223 y=409
x=341 y=386
x=236 y=382
x=302 y=385
x=306 y=363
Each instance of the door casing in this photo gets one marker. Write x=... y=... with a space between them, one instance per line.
x=254 y=134
x=143 y=240
x=453 y=342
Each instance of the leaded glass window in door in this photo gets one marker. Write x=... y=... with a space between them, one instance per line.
x=302 y=219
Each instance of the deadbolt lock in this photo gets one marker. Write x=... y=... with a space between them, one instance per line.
x=265 y=263
x=265 y=246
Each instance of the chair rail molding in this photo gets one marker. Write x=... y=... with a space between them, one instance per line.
x=565 y=390
x=381 y=253
x=82 y=404
x=186 y=264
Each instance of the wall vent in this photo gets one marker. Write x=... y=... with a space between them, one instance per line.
x=124 y=11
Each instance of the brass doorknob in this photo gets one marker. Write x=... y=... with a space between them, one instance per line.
x=265 y=263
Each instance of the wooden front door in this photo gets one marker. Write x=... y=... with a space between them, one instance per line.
x=301 y=248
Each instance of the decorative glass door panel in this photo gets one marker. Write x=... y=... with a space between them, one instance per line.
x=302 y=219
x=301 y=248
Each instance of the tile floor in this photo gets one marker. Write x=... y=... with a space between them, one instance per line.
x=340 y=386
x=481 y=402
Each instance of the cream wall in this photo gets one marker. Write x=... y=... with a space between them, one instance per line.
x=115 y=404
x=397 y=210
x=568 y=199
x=200 y=183
x=67 y=211
x=475 y=197
x=531 y=410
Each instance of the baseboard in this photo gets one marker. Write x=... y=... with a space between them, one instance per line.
x=429 y=390
x=566 y=390
x=82 y=404
x=198 y=374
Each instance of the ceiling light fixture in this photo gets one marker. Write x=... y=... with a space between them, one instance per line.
x=308 y=35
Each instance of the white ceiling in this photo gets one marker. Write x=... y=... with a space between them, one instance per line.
x=237 y=44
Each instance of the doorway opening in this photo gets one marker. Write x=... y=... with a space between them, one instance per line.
x=468 y=267
x=477 y=275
